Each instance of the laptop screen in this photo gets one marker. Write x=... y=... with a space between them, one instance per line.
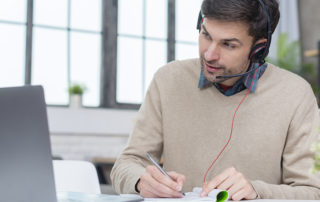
x=26 y=171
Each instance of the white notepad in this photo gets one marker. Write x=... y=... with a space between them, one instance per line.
x=215 y=195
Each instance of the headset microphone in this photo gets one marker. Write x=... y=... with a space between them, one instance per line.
x=238 y=75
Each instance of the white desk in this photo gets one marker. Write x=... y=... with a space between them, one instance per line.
x=80 y=197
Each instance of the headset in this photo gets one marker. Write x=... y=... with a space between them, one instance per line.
x=258 y=53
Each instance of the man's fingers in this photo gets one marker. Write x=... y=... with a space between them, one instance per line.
x=152 y=184
x=145 y=189
x=147 y=193
x=239 y=195
x=160 y=177
x=235 y=187
x=179 y=178
x=159 y=189
x=234 y=182
x=217 y=181
x=227 y=183
x=163 y=191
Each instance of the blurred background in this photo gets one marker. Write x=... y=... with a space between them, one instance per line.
x=107 y=51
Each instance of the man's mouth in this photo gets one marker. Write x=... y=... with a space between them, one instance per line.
x=212 y=69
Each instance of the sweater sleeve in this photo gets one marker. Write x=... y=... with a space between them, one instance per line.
x=297 y=159
x=146 y=137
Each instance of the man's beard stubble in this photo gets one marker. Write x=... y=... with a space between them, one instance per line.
x=202 y=63
x=225 y=72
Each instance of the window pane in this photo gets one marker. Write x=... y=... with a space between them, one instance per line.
x=130 y=17
x=186 y=51
x=156 y=19
x=85 y=65
x=51 y=12
x=156 y=56
x=13 y=10
x=86 y=14
x=129 y=70
x=49 y=64
x=12 y=51
x=186 y=20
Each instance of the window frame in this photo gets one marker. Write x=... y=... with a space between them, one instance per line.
x=110 y=35
x=108 y=69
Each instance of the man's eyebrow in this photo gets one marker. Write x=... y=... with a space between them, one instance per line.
x=205 y=29
x=225 y=40
x=233 y=40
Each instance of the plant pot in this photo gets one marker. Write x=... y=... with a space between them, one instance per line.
x=75 y=101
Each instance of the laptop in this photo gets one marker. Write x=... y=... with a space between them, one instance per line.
x=26 y=172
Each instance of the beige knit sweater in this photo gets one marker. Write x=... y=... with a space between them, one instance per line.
x=273 y=131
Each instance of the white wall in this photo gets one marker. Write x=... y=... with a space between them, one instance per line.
x=88 y=133
x=90 y=121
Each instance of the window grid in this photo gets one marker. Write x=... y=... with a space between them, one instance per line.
x=12 y=22
x=16 y=52
x=68 y=29
x=106 y=82
x=144 y=39
x=17 y=23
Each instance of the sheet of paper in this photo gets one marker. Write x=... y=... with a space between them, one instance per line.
x=215 y=195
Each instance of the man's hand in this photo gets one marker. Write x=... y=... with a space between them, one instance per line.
x=154 y=184
x=234 y=182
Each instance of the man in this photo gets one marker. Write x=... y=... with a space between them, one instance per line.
x=247 y=134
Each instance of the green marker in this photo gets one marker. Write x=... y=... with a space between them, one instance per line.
x=222 y=196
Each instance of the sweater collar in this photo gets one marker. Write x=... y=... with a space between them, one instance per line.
x=243 y=83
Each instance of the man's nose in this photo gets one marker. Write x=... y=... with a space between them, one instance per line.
x=212 y=53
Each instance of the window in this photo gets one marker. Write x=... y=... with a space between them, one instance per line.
x=142 y=46
x=186 y=33
x=67 y=48
x=143 y=42
x=112 y=47
x=12 y=42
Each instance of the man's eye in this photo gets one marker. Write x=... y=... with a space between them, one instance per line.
x=229 y=45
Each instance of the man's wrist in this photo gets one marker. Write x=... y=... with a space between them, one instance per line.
x=136 y=186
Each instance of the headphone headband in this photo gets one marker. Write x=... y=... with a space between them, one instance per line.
x=269 y=34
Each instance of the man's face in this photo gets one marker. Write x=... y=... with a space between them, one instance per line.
x=224 y=48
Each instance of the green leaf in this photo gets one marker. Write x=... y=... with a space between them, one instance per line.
x=76 y=89
x=289 y=57
x=282 y=48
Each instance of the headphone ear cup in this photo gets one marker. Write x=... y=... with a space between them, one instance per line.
x=257 y=52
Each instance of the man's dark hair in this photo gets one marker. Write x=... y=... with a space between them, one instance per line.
x=246 y=11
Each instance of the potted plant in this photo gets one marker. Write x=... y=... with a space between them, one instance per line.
x=75 y=95
x=289 y=57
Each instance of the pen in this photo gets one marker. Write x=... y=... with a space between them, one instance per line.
x=161 y=169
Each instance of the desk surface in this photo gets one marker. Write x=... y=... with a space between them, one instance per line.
x=81 y=197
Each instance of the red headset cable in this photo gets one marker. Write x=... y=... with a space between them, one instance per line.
x=234 y=115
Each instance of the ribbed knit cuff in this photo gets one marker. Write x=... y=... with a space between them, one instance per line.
x=131 y=182
x=257 y=186
x=136 y=186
